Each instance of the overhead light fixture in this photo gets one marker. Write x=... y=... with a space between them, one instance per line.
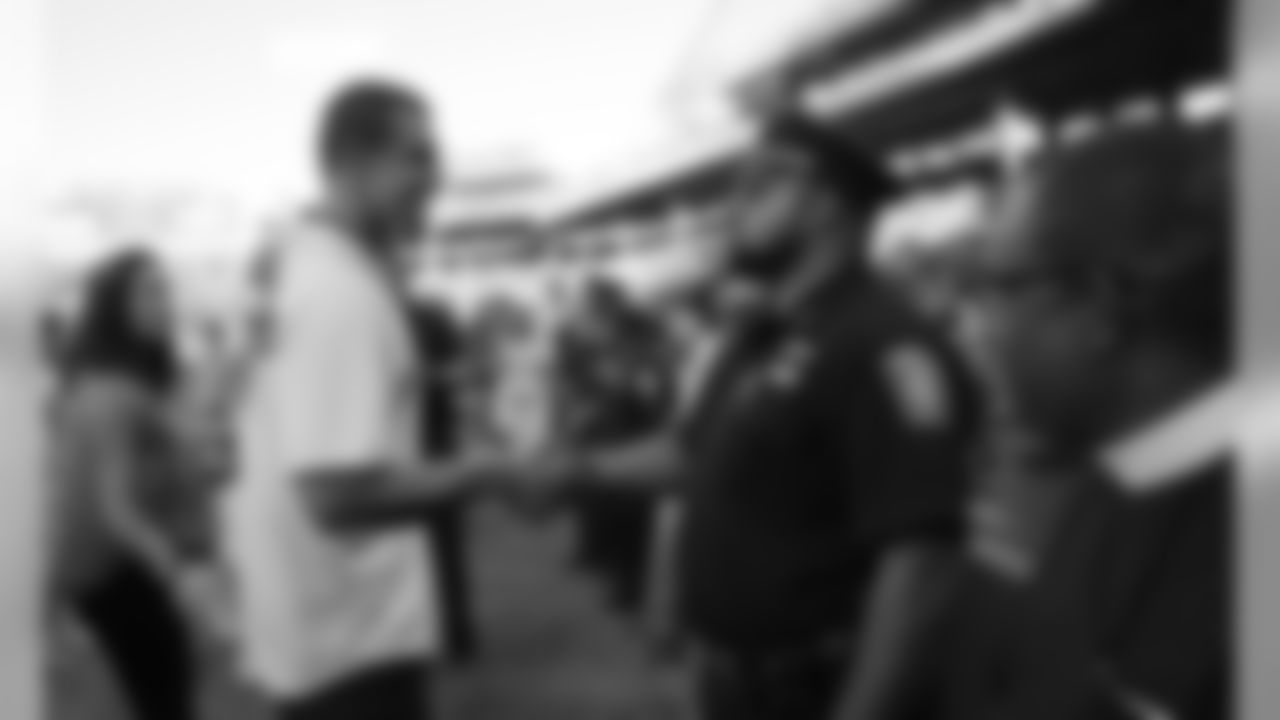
x=1017 y=135
x=1139 y=111
x=1079 y=129
x=1003 y=28
x=1205 y=103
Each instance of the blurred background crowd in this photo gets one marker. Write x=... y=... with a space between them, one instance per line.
x=589 y=313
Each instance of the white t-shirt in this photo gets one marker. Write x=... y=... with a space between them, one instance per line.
x=336 y=387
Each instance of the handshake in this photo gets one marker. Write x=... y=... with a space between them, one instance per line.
x=541 y=482
x=536 y=483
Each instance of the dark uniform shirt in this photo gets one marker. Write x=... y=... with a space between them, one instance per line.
x=820 y=438
x=1126 y=617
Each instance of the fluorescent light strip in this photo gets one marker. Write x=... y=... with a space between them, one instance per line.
x=1205 y=103
x=842 y=16
x=1139 y=111
x=992 y=33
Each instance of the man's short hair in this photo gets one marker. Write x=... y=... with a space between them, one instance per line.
x=1149 y=208
x=862 y=183
x=360 y=119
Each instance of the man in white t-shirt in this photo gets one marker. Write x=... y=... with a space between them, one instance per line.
x=338 y=603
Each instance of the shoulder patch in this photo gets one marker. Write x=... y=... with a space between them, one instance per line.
x=917 y=386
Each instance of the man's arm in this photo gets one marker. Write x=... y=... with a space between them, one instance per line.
x=338 y=406
x=655 y=464
x=374 y=496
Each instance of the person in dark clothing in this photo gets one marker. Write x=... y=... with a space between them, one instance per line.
x=1106 y=279
x=118 y=555
x=619 y=388
x=146 y=640
x=825 y=466
x=441 y=344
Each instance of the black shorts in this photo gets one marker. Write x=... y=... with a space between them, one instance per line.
x=144 y=635
x=395 y=691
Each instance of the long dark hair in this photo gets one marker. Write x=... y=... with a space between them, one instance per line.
x=107 y=338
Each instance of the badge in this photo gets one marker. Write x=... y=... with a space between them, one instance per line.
x=917 y=387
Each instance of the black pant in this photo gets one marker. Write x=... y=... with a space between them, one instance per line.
x=395 y=691
x=803 y=686
x=448 y=531
x=139 y=628
x=615 y=531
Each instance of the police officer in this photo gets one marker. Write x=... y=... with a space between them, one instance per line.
x=1105 y=282
x=618 y=388
x=825 y=467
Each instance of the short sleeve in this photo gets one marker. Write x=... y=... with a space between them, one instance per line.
x=910 y=452
x=331 y=387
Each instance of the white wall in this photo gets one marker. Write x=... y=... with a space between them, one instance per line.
x=23 y=383
x=21 y=566
x=1258 y=628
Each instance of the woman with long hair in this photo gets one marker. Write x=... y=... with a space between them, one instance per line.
x=116 y=564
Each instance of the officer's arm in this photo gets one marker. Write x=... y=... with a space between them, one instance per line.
x=909 y=589
x=911 y=505
x=659 y=463
x=102 y=423
x=655 y=464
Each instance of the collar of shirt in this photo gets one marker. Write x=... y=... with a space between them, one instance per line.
x=340 y=238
